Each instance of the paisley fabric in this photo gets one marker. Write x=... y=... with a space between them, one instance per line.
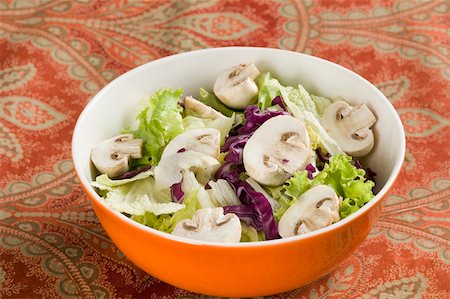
x=55 y=55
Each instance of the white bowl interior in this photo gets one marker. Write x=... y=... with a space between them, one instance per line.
x=115 y=106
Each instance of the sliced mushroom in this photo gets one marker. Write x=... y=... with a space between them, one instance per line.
x=210 y=225
x=200 y=109
x=316 y=208
x=111 y=156
x=350 y=127
x=205 y=141
x=276 y=150
x=236 y=86
x=169 y=169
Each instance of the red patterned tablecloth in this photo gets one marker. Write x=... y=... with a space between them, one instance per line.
x=55 y=55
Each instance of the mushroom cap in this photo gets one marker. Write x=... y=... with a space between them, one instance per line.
x=350 y=127
x=168 y=171
x=112 y=155
x=316 y=208
x=277 y=149
x=205 y=141
x=210 y=224
x=236 y=87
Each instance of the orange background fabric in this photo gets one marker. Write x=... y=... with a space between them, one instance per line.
x=55 y=55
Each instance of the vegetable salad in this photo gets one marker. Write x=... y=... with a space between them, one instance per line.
x=250 y=160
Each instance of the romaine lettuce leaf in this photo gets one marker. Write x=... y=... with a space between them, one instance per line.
x=159 y=123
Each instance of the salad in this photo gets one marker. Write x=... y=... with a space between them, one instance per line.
x=252 y=160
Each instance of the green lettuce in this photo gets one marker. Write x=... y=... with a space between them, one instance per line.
x=347 y=181
x=136 y=196
x=250 y=234
x=159 y=123
x=103 y=182
x=321 y=103
x=268 y=89
x=167 y=222
x=289 y=192
x=297 y=184
x=306 y=112
x=211 y=100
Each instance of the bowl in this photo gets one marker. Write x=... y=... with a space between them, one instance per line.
x=244 y=269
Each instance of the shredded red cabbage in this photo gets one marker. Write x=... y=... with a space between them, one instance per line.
x=229 y=172
x=322 y=157
x=256 y=209
x=235 y=147
x=177 y=193
x=357 y=164
x=278 y=100
x=235 y=143
x=370 y=174
x=130 y=174
x=310 y=169
x=254 y=118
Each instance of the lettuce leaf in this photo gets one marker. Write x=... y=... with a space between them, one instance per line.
x=211 y=100
x=103 y=182
x=293 y=188
x=159 y=123
x=138 y=197
x=321 y=103
x=298 y=108
x=268 y=89
x=340 y=174
x=167 y=223
x=250 y=234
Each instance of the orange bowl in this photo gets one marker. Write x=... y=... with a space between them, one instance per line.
x=243 y=269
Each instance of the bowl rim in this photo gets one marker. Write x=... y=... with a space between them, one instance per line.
x=335 y=226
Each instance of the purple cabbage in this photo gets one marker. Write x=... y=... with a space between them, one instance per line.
x=278 y=100
x=254 y=118
x=130 y=174
x=247 y=214
x=177 y=193
x=229 y=172
x=370 y=174
x=235 y=143
x=322 y=157
x=310 y=169
x=255 y=210
x=235 y=147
